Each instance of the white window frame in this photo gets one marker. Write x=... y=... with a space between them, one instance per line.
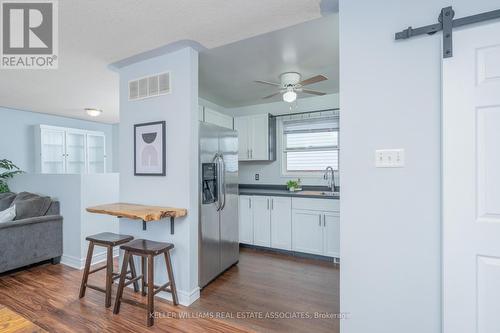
x=283 y=159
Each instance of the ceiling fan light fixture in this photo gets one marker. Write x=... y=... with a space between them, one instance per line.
x=290 y=96
x=93 y=112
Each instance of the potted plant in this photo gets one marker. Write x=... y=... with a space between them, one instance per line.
x=293 y=185
x=12 y=170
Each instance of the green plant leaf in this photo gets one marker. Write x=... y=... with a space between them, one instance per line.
x=10 y=174
x=4 y=187
x=12 y=170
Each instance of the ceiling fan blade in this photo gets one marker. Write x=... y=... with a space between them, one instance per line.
x=271 y=95
x=313 y=92
x=268 y=83
x=314 y=79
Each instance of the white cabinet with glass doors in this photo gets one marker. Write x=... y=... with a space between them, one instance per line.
x=68 y=150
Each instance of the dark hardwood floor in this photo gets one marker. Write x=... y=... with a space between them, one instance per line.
x=261 y=283
x=266 y=282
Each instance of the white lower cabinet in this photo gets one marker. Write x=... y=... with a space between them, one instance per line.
x=283 y=223
x=246 y=220
x=331 y=234
x=307 y=231
x=261 y=221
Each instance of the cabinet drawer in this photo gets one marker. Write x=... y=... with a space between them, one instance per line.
x=326 y=205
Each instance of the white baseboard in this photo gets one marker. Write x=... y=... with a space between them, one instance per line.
x=79 y=263
x=185 y=298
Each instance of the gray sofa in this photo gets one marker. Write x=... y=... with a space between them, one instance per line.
x=36 y=233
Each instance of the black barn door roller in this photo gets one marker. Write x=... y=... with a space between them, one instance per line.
x=446 y=24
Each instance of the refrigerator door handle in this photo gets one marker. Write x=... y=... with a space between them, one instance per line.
x=216 y=162
x=223 y=181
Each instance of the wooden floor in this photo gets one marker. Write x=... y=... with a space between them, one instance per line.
x=265 y=282
x=262 y=283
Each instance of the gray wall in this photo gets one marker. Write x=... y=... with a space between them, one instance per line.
x=17 y=135
x=390 y=97
x=270 y=172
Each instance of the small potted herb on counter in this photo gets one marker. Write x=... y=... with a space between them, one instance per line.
x=294 y=185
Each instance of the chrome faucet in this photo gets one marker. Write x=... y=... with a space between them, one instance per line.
x=329 y=176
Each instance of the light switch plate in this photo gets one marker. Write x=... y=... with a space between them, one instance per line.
x=389 y=158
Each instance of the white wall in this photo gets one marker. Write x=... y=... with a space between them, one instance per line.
x=75 y=193
x=98 y=189
x=179 y=188
x=270 y=172
x=390 y=218
x=116 y=148
x=17 y=135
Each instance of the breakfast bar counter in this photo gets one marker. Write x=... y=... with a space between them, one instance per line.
x=144 y=213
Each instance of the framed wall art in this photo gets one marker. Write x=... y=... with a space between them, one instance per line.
x=150 y=149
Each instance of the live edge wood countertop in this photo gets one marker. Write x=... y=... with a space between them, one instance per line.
x=135 y=211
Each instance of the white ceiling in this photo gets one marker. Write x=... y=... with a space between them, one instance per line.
x=96 y=33
x=227 y=73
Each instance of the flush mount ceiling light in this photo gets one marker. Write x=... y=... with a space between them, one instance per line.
x=290 y=96
x=93 y=112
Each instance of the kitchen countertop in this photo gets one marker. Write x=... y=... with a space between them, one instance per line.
x=281 y=191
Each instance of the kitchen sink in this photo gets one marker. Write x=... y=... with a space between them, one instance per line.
x=324 y=193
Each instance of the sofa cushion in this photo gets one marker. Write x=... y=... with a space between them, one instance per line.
x=6 y=200
x=30 y=205
x=8 y=214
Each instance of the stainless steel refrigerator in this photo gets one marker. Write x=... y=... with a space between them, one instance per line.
x=218 y=230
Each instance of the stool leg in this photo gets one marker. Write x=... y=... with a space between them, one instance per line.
x=85 y=276
x=144 y=275
x=171 y=277
x=109 y=275
x=121 y=284
x=133 y=273
x=151 y=291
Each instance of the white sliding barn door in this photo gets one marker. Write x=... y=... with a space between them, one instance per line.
x=471 y=181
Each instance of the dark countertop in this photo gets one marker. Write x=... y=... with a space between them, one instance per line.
x=282 y=191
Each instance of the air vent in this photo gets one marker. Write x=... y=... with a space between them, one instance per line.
x=150 y=86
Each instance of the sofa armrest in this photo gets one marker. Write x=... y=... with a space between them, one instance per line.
x=31 y=220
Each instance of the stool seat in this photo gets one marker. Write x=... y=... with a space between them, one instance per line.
x=109 y=241
x=147 y=247
x=109 y=238
x=147 y=250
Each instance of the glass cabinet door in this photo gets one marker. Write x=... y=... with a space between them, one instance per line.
x=96 y=153
x=75 y=152
x=53 y=151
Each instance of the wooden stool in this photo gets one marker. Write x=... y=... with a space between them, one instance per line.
x=146 y=249
x=108 y=240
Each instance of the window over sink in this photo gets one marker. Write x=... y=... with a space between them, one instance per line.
x=310 y=143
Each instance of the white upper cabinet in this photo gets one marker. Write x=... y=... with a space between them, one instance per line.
x=96 y=153
x=259 y=137
x=52 y=151
x=68 y=150
x=256 y=137
x=241 y=125
x=210 y=116
x=75 y=152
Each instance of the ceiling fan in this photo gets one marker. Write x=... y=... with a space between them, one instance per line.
x=292 y=83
